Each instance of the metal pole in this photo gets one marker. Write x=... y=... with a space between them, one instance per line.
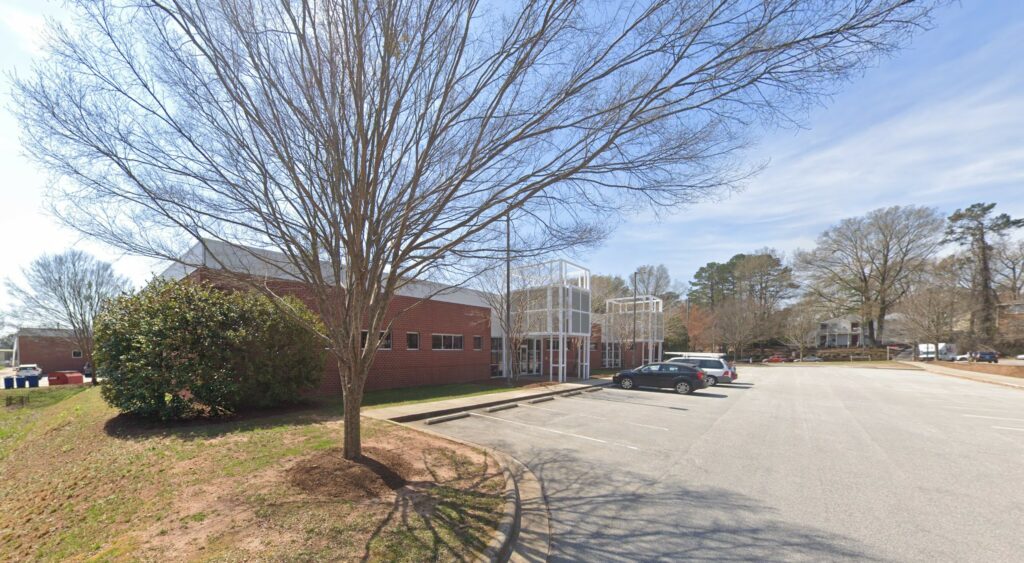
x=506 y=346
x=634 y=318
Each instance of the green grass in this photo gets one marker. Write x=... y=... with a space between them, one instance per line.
x=92 y=485
x=410 y=395
x=15 y=421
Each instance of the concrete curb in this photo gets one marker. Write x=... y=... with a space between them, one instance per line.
x=522 y=535
x=960 y=374
x=446 y=418
x=502 y=407
x=541 y=400
x=479 y=406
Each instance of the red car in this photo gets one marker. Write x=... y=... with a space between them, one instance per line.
x=776 y=359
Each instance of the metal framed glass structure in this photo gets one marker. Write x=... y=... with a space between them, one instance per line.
x=630 y=320
x=554 y=309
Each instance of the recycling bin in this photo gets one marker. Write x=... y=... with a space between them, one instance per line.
x=32 y=380
x=19 y=382
x=8 y=383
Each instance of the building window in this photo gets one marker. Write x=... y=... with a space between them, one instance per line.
x=385 y=338
x=593 y=346
x=76 y=353
x=446 y=341
x=412 y=341
x=478 y=343
x=497 y=343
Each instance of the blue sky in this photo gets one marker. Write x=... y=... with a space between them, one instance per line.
x=941 y=123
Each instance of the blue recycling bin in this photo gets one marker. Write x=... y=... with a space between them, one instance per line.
x=32 y=380
x=19 y=382
x=8 y=383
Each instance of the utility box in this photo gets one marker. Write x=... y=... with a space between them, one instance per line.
x=65 y=378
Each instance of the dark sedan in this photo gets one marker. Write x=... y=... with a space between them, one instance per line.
x=684 y=378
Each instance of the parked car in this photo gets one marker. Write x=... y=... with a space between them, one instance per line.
x=685 y=379
x=27 y=370
x=990 y=357
x=962 y=358
x=716 y=370
x=809 y=359
x=1020 y=356
x=776 y=359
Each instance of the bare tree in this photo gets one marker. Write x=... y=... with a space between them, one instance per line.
x=376 y=143
x=865 y=265
x=651 y=280
x=736 y=322
x=66 y=291
x=1008 y=272
x=603 y=288
x=800 y=324
x=935 y=303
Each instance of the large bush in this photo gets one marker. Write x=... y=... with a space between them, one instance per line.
x=184 y=349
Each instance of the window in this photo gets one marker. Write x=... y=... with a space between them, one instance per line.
x=76 y=353
x=446 y=341
x=385 y=338
x=593 y=346
x=478 y=343
x=412 y=341
x=497 y=343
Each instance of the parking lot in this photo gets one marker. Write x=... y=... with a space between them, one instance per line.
x=794 y=463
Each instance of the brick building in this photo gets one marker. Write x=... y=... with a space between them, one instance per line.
x=440 y=334
x=52 y=349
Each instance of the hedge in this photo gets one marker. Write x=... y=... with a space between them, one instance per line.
x=183 y=349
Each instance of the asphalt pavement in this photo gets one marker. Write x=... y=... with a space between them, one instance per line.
x=793 y=463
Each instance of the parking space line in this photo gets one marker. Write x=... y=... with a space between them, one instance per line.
x=994 y=417
x=553 y=431
x=595 y=417
x=1009 y=428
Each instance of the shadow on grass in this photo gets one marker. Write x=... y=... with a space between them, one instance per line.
x=130 y=427
x=449 y=514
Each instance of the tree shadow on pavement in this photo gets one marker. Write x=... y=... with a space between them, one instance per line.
x=625 y=516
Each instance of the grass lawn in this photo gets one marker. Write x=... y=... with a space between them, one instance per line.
x=81 y=483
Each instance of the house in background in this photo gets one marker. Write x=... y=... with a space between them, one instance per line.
x=52 y=349
x=6 y=357
x=840 y=332
x=1010 y=320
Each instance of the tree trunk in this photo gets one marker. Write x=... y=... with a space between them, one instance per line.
x=880 y=321
x=352 y=387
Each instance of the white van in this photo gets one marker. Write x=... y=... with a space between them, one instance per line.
x=715 y=367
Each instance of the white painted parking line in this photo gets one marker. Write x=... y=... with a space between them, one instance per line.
x=1009 y=428
x=594 y=417
x=553 y=431
x=994 y=417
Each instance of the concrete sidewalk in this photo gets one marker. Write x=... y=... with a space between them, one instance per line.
x=972 y=375
x=419 y=411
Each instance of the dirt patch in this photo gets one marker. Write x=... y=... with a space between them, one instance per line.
x=378 y=473
x=994 y=369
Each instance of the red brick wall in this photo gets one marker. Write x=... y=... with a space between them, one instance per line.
x=51 y=353
x=400 y=367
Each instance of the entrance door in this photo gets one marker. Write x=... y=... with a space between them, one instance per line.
x=529 y=357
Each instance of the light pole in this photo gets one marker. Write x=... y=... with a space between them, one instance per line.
x=634 y=317
x=506 y=347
